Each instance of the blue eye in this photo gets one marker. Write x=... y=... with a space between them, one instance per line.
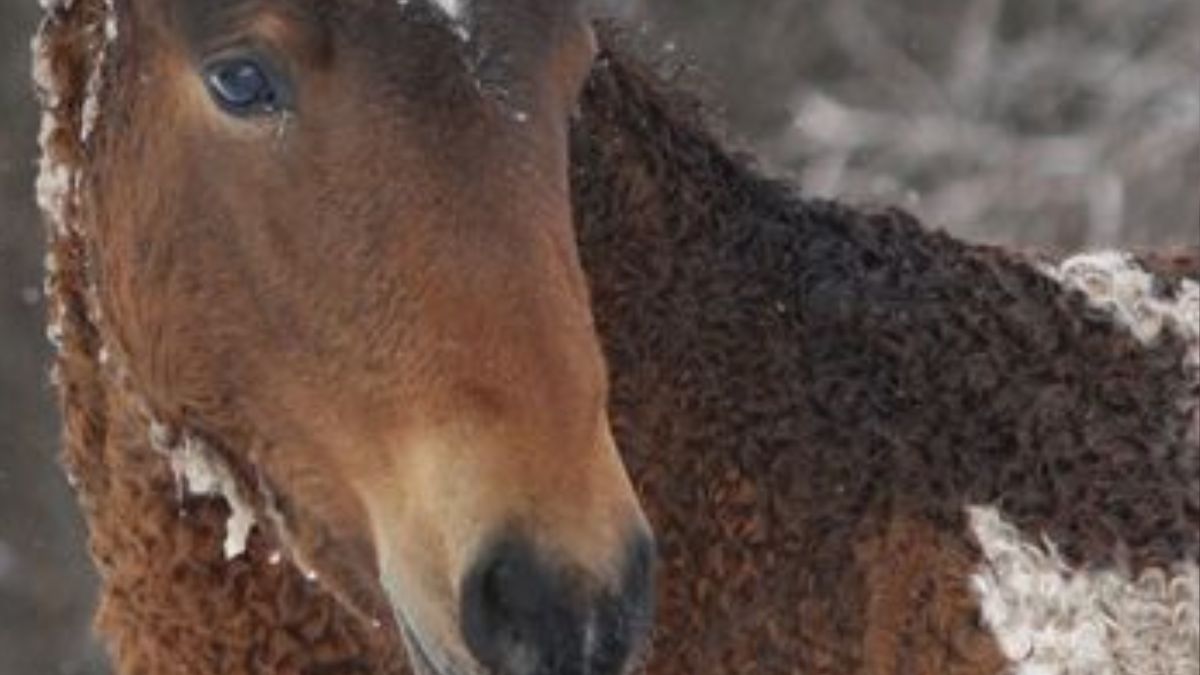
x=244 y=86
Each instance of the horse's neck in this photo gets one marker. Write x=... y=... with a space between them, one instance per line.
x=829 y=413
x=850 y=359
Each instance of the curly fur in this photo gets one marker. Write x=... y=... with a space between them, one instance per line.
x=1049 y=617
x=793 y=377
x=809 y=398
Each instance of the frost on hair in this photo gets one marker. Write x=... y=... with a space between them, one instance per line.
x=55 y=176
x=95 y=84
x=453 y=8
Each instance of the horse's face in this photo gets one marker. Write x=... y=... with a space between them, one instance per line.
x=334 y=237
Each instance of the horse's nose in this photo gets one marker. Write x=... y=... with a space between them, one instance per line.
x=524 y=615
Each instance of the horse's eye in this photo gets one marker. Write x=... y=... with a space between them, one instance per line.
x=244 y=86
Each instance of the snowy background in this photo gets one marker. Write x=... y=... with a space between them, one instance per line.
x=1048 y=123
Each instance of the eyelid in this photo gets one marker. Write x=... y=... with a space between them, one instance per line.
x=253 y=49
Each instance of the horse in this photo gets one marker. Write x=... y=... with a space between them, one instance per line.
x=864 y=446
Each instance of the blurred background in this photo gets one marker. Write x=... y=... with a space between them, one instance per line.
x=1056 y=124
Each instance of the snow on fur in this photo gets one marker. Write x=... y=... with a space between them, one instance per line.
x=453 y=8
x=91 y=104
x=201 y=472
x=197 y=468
x=55 y=177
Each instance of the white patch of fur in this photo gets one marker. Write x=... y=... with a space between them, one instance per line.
x=1050 y=619
x=201 y=472
x=1116 y=283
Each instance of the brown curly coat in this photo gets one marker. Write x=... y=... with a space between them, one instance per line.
x=807 y=396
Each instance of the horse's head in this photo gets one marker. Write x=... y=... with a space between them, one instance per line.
x=335 y=238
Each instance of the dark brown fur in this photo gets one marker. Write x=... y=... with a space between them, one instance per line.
x=806 y=395
x=794 y=378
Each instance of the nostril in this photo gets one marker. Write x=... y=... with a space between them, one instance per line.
x=516 y=615
x=508 y=588
x=524 y=616
x=505 y=609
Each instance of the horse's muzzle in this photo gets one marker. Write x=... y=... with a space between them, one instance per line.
x=525 y=615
